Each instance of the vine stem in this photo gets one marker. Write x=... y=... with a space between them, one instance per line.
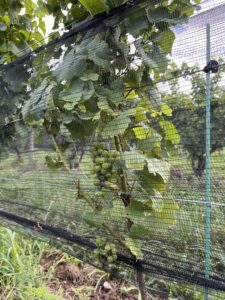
x=59 y=152
x=141 y=285
x=124 y=187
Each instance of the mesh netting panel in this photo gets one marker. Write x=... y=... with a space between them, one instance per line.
x=104 y=148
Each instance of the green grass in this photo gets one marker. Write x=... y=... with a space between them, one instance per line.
x=20 y=276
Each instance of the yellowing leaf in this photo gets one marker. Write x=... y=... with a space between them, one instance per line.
x=142 y=133
x=166 y=110
x=131 y=95
x=140 y=114
x=171 y=133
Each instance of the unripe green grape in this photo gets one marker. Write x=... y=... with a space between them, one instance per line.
x=97 y=182
x=116 y=154
x=114 y=257
x=101 y=242
x=110 y=259
x=100 y=160
x=98 y=243
x=100 y=151
x=97 y=168
x=110 y=153
x=113 y=250
x=111 y=159
x=107 y=247
x=106 y=166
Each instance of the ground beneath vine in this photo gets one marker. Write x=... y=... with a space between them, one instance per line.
x=84 y=282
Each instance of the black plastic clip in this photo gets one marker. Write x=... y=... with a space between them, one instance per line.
x=212 y=66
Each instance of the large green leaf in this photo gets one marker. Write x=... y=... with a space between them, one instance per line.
x=157 y=202
x=138 y=231
x=160 y=167
x=163 y=14
x=151 y=182
x=80 y=129
x=73 y=94
x=73 y=65
x=113 y=3
x=134 y=160
x=118 y=211
x=147 y=57
x=16 y=83
x=94 y=7
x=134 y=246
x=94 y=219
x=99 y=52
x=34 y=107
x=151 y=146
x=167 y=40
x=79 y=90
x=116 y=126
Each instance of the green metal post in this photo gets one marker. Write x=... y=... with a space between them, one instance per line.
x=208 y=166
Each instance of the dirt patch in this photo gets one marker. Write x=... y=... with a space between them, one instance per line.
x=84 y=282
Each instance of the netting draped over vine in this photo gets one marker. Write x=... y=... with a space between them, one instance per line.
x=103 y=146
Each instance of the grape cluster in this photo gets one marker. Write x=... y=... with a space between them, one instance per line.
x=103 y=166
x=105 y=252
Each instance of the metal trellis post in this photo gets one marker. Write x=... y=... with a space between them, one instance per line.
x=208 y=166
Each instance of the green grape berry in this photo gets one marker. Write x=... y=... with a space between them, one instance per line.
x=113 y=250
x=106 y=166
x=100 y=160
x=110 y=153
x=107 y=247
x=97 y=182
x=116 y=154
x=97 y=168
x=114 y=257
x=100 y=151
x=110 y=259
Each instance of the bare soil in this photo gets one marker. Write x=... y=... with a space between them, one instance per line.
x=84 y=282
